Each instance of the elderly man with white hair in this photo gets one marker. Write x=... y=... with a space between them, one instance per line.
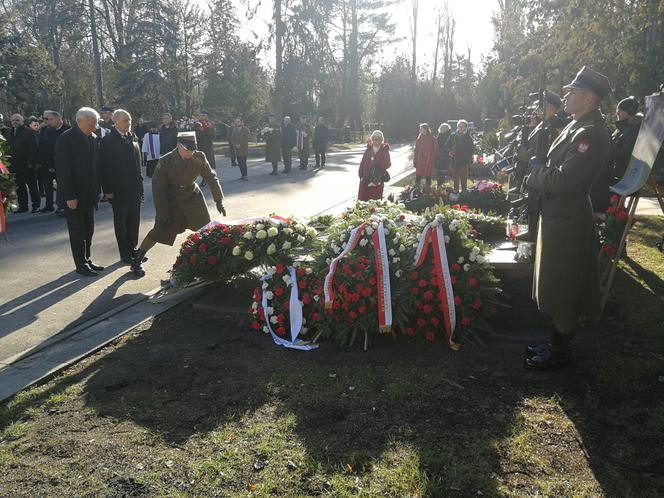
x=76 y=156
x=122 y=182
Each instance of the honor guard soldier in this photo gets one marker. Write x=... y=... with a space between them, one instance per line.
x=565 y=282
x=179 y=202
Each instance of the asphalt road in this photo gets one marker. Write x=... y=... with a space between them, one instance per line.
x=41 y=295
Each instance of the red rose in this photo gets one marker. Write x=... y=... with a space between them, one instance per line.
x=456 y=267
x=361 y=267
x=422 y=283
x=414 y=291
x=202 y=248
x=212 y=260
x=455 y=206
x=367 y=292
x=287 y=305
x=428 y=295
x=315 y=317
x=465 y=321
x=196 y=237
x=355 y=297
x=302 y=284
x=279 y=291
x=281 y=318
x=434 y=321
x=261 y=313
x=225 y=240
x=414 y=276
x=622 y=216
x=612 y=210
x=372 y=210
x=419 y=305
x=410 y=331
x=300 y=272
x=306 y=299
x=352 y=315
x=464 y=208
x=346 y=269
x=457 y=300
x=421 y=322
x=187 y=250
x=427 y=309
x=255 y=325
x=472 y=281
x=453 y=279
x=372 y=280
x=429 y=336
x=280 y=269
x=281 y=331
x=402 y=217
x=192 y=259
x=477 y=303
x=362 y=310
x=615 y=199
x=433 y=281
x=609 y=250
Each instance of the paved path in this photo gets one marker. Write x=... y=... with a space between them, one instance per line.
x=41 y=295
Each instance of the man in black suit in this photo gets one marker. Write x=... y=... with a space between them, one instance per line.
x=55 y=127
x=76 y=156
x=23 y=152
x=122 y=182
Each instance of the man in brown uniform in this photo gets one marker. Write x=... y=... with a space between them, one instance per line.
x=566 y=283
x=179 y=202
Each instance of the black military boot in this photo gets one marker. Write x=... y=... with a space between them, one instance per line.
x=552 y=355
x=137 y=264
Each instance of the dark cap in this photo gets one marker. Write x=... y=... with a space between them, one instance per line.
x=105 y=109
x=629 y=104
x=188 y=139
x=591 y=80
x=551 y=99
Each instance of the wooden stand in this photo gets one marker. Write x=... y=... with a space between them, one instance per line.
x=611 y=261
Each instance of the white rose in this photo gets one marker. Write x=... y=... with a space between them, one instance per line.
x=271 y=249
x=266 y=330
x=466 y=267
x=254 y=306
x=269 y=295
x=387 y=231
x=397 y=235
x=460 y=260
x=308 y=271
x=270 y=310
x=396 y=260
x=475 y=250
x=248 y=255
x=260 y=226
x=391 y=252
x=248 y=235
x=342 y=237
x=447 y=239
x=274 y=319
x=472 y=256
x=402 y=248
x=480 y=259
x=272 y=232
x=261 y=234
x=286 y=279
x=398 y=273
x=287 y=230
x=300 y=239
x=304 y=321
x=304 y=330
x=453 y=227
x=440 y=218
x=363 y=242
x=286 y=245
x=236 y=251
x=368 y=231
x=311 y=232
x=316 y=298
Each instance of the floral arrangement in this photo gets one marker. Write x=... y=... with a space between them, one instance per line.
x=417 y=198
x=276 y=287
x=486 y=196
x=476 y=294
x=486 y=227
x=613 y=226
x=7 y=188
x=219 y=251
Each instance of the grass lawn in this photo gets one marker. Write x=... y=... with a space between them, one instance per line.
x=196 y=404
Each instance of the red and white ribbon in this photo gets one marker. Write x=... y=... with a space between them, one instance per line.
x=353 y=240
x=441 y=270
x=384 y=290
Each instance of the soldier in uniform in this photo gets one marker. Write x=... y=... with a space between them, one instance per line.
x=179 y=202
x=565 y=282
x=303 y=141
x=272 y=135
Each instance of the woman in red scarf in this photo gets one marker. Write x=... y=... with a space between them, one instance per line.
x=373 y=168
x=426 y=152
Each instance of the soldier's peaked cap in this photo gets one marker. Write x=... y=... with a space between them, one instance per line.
x=551 y=99
x=187 y=136
x=591 y=80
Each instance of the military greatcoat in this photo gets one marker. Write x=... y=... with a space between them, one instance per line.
x=273 y=144
x=179 y=203
x=566 y=283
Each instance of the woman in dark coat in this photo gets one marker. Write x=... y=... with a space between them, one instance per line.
x=373 y=168
x=443 y=162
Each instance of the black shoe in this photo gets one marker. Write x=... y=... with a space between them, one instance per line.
x=86 y=271
x=47 y=209
x=536 y=350
x=286 y=171
x=274 y=173
x=35 y=210
x=94 y=266
x=137 y=264
x=549 y=358
x=20 y=210
x=134 y=253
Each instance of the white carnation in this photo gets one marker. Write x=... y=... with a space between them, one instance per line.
x=274 y=319
x=270 y=310
x=272 y=232
x=391 y=252
x=300 y=239
x=447 y=239
x=398 y=273
x=248 y=255
x=316 y=298
x=254 y=306
x=460 y=260
x=271 y=249
x=466 y=267
x=261 y=234
x=481 y=259
x=236 y=251
x=402 y=248
x=266 y=330
x=364 y=242
x=269 y=295
x=286 y=245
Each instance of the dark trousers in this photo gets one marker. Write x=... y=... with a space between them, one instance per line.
x=304 y=158
x=27 y=180
x=126 y=220
x=81 y=226
x=320 y=159
x=242 y=163
x=46 y=178
x=150 y=166
x=288 y=158
x=235 y=159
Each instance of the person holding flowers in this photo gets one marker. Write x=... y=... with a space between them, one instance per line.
x=373 y=168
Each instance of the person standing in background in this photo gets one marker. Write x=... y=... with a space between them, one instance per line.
x=288 y=141
x=443 y=162
x=151 y=148
x=424 y=157
x=22 y=151
x=240 y=139
x=272 y=136
x=204 y=129
x=461 y=149
x=168 y=134
x=321 y=138
x=52 y=132
x=303 y=141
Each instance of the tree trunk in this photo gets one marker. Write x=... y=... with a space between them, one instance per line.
x=278 y=63
x=354 y=70
x=99 y=85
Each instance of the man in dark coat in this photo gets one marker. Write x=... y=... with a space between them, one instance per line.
x=321 y=138
x=76 y=156
x=272 y=136
x=55 y=127
x=178 y=200
x=461 y=147
x=303 y=140
x=205 y=137
x=566 y=282
x=168 y=134
x=288 y=141
x=122 y=182
x=22 y=153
